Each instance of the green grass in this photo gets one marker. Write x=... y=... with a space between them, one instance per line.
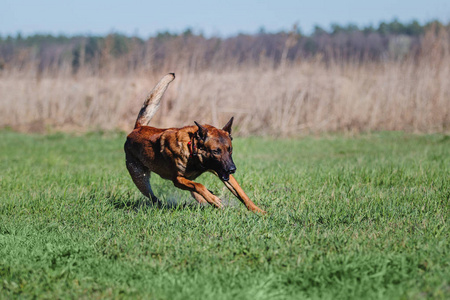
x=348 y=217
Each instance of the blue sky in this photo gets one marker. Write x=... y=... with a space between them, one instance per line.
x=224 y=18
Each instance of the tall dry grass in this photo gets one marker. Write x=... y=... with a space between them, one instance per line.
x=308 y=96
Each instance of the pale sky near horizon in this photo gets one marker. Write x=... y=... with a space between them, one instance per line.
x=222 y=18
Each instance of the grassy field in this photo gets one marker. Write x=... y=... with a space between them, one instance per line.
x=348 y=217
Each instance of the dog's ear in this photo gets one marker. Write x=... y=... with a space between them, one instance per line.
x=202 y=131
x=227 y=127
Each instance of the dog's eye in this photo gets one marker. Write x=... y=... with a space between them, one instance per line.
x=230 y=150
x=216 y=151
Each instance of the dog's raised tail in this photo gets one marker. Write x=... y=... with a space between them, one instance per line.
x=151 y=103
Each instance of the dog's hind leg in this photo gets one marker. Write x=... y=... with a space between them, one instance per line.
x=141 y=178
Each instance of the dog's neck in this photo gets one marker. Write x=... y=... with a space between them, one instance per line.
x=193 y=153
x=192 y=147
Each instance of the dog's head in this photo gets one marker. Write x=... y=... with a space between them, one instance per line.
x=214 y=149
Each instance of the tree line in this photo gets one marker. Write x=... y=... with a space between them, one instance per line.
x=116 y=52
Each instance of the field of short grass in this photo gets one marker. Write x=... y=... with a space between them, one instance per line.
x=348 y=217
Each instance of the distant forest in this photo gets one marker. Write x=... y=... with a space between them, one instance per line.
x=124 y=54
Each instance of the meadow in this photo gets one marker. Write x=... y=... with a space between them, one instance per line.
x=349 y=217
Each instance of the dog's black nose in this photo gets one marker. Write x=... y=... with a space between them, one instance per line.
x=232 y=170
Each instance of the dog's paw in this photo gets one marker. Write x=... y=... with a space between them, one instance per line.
x=217 y=202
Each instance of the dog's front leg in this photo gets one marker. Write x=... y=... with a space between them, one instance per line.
x=235 y=188
x=198 y=188
x=198 y=197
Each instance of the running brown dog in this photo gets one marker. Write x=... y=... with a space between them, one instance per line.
x=181 y=154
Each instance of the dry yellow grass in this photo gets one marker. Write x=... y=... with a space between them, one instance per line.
x=308 y=96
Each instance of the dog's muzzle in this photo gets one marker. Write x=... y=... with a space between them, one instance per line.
x=226 y=175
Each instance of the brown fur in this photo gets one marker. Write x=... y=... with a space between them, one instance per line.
x=181 y=154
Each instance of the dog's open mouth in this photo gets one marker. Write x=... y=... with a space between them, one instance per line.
x=225 y=177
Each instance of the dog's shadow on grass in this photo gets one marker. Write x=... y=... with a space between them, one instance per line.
x=131 y=203
x=142 y=204
x=174 y=202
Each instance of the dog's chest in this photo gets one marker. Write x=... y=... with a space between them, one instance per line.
x=192 y=173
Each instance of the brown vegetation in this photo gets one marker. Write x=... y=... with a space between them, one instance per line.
x=266 y=96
